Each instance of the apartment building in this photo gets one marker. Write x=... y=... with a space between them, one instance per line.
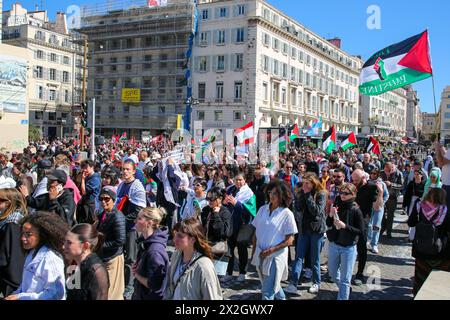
x=445 y=114
x=429 y=124
x=385 y=114
x=142 y=50
x=56 y=63
x=254 y=62
x=413 y=113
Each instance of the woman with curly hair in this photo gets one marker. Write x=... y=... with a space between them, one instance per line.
x=192 y=275
x=12 y=209
x=43 y=235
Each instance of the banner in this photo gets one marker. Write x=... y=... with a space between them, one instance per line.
x=130 y=95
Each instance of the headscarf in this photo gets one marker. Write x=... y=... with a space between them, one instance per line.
x=434 y=172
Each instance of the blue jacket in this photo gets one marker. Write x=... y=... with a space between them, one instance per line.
x=153 y=264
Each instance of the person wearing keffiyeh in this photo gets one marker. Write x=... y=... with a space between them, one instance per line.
x=432 y=208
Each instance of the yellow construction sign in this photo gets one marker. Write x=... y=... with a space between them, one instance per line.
x=131 y=95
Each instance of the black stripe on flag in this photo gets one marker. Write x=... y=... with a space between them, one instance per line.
x=394 y=50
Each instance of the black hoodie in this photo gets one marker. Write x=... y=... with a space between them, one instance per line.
x=153 y=264
x=64 y=205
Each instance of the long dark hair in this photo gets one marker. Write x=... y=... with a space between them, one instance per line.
x=193 y=228
x=52 y=229
x=88 y=233
x=283 y=190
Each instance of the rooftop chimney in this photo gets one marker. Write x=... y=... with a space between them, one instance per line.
x=335 y=42
x=61 y=23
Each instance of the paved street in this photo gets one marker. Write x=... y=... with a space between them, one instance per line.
x=390 y=274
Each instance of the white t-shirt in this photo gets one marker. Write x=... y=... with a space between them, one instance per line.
x=272 y=230
x=446 y=170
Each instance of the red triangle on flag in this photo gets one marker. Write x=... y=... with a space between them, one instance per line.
x=352 y=138
x=418 y=58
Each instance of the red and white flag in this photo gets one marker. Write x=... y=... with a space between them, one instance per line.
x=245 y=134
x=156 y=3
x=373 y=146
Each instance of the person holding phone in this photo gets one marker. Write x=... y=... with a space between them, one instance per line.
x=345 y=225
x=57 y=199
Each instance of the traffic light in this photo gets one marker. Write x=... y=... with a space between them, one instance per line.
x=84 y=114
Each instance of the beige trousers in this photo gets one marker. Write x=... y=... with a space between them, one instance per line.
x=116 y=271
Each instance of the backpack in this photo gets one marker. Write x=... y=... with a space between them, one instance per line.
x=427 y=240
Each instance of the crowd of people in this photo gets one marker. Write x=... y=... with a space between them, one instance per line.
x=80 y=229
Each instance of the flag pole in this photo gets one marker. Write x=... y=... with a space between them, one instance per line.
x=438 y=115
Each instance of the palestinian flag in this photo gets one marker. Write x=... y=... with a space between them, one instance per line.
x=373 y=146
x=247 y=198
x=282 y=141
x=295 y=133
x=329 y=140
x=396 y=66
x=350 y=142
x=123 y=137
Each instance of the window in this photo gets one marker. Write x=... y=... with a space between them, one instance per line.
x=221 y=37
x=53 y=57
x=308 y=59
x=40 y=54
x=266 y=90
x=240 y=35
x=238 y=90
x=448 y=106
x=66 y=60
x=52 y=116
x=219 y=91
x=285 y=48
x=276 y=44
x=237 y=115
x=266 y=62
x=65 y=76
x=221 y=63
x=293 y=101
x=128 y=60
x=162 y=109
x=66 y=96
x=293 y=74
x=52 y=96
x=300 y=55
x=203 y=67
x=205 y=14
x=300 y=99
x=276 y=92
x=39 y=72
x=239 y=61
x=204 y=38
x=38 y=115
x=285 y=70
x=293 y=53
x=266 y=39
x=40 y=92
x=223 y=12
x=241 y=10
x=283 y=95
x=447 y=115
x=218 y=115
x=52 y=74
x=201 y=91
x=275 y=67
x=200 y=115
x=114 y=66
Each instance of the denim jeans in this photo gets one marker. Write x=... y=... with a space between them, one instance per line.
x=314 y=242
x=341 y=261
x=268 y=285
x=375 y=222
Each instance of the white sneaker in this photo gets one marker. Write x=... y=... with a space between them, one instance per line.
x=242 y=277
x=375 y=249
x=314 y=289
x=308 y=274
x=292 y=289
x=369 y=247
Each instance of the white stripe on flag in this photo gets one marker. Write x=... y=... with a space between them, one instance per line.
x=391 y=66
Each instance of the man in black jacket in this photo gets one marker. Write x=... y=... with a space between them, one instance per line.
x=365 y=198
x=57 y=200
x=311 y=165
x=394 y=182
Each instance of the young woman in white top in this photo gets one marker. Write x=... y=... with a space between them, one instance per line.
x=275 y=229
x=43 y=235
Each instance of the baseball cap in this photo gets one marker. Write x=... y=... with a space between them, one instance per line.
x=44 y=164
x=57 y=175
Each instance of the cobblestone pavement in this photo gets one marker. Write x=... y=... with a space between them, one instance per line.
x=389 y=274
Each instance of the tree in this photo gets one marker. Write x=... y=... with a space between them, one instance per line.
x=34 y=133
x=433 y=137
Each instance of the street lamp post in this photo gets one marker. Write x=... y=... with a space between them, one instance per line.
x=187 y=121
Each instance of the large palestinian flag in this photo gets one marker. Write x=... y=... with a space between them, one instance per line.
x=396 y=66
x=349 y=142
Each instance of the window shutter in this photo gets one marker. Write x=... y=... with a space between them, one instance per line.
x=197 y=64
x=215 y=62
x=217 y=14
x=208 y=62
x=235 y=11
x=216 y=36
x=225 y=63
x=245 y=34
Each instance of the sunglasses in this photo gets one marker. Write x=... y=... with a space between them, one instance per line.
x=346 y=193
x=289 y=167
x=106 y=199
x=210 y=199
x=4 y=200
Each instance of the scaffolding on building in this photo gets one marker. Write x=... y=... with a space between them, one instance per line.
x=156 y=40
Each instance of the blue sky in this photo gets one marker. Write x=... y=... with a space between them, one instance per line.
x=347 y=19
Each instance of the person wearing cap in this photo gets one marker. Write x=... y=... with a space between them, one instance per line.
x=5 y=166
x=44 y=167
x=57 y=199
x=111 y=222
x=90 y=188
